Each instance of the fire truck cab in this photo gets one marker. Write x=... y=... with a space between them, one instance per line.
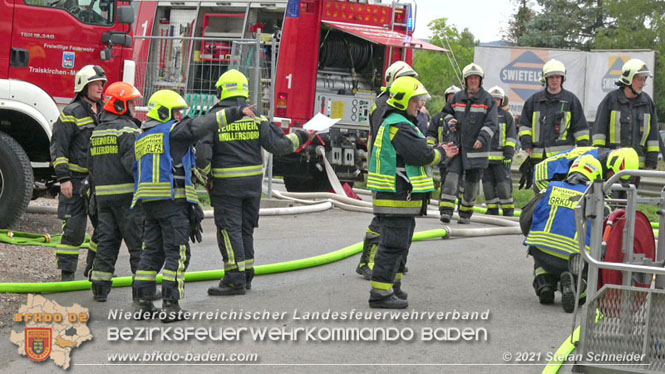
x=43 y=43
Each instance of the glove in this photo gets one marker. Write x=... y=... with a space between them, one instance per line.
x=526 y=181
x=89 y=197
x=507 y=162
x=195 y=218
x=199 y=176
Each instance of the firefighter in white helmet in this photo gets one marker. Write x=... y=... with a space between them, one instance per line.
x=627 y=116
x=472 y=116
x=377 y=113
x=69 y=150
x=439 y=133
x=497 y=181
x=552 y=119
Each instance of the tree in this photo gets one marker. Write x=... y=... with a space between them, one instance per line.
x=564 y=24
x=436 y=70
x=518 y=25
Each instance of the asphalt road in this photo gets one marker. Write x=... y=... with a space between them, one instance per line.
x=447 y=280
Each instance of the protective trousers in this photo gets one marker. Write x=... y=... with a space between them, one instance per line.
x=116 y=223
x=165 y=240
x=449 y=189
x=236 y=218
x=73 y=212
x=390 y=258
x=497 y=186
x=370 y=243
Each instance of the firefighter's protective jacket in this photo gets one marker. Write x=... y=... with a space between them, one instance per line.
x=398 y=170
x=553 y=228
x=622 y=122
x=234 y=152
x=111 y=158
x=71 y=139
x=165 y=158
x=556 y=167
x=552 y=123
x=477 y=119
x=503 y=142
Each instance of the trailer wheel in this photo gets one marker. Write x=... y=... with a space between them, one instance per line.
x=307 y=184
x=16 y=180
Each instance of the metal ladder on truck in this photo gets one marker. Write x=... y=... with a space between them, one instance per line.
x=622 y=325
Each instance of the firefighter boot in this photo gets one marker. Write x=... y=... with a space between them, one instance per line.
x=363 y=267
x=249 y=276
x=492 y=211
x=464 y=220
x=156 y=296
x=67 y=276
x=377 y=299
x=172 y=312
x=143 y=306
x=397 y=290
x=445 y=217
x=544 y=288
x=233 y=283
x=567 y=291
x=508 y=212
x=100 y=291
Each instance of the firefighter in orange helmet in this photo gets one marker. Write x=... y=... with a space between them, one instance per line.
x=110 y=162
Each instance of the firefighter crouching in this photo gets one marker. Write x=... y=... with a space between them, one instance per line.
x=376 y=116
x=234 y=154
x=163 y=182
x=69 y=150
x=401 y=182
x=111 y=159
x=552 y=238
x=497 y=180
x=472 y=115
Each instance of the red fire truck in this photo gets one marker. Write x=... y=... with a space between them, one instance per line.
x=331 y=56
x=42 y=45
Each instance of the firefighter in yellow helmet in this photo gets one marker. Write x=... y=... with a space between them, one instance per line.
x=627 y=116
x=497 y=179
x=164 y=186
x=401 y=184
x=472 y=115
x=376 y=116
x=233 y=156
x=552 y=120
x=552 y=237
x=69 y=150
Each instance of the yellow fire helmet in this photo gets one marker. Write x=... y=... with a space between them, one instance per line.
x=232 y=84
x=162 y=103
x=553 y=67
x=403 y=89
x=588 y=166
x=623 y=159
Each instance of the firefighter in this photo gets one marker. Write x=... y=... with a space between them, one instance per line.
x=234 y=154
x=376 y=116
x=472 y=115
x=401 y=183
x=556 y=168
x=627 y=116
x=69 y=150
x=497 y=180
x=110 y=161
x=553 y=235
x=439 y=133
x=552 y=120
x=163 y=182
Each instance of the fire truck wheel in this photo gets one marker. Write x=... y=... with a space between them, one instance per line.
x=307 y=184
x=16 y=180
